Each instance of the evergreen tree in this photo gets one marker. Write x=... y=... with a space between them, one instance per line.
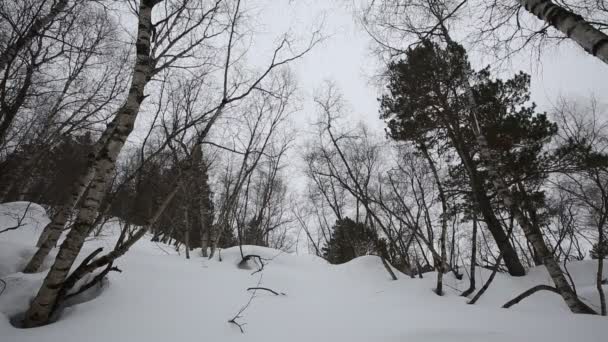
x=350 y=240
x=599 y=250
x=428 y=105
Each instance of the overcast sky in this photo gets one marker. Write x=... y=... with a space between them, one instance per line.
x=345 y=58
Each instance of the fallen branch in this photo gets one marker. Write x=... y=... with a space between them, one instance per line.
x=387 y=266
x=495 y=269
x=529 y=292
x=96 y=280
x=254 y=257
x=266 y=289
x=19 y=220
x=243 y=308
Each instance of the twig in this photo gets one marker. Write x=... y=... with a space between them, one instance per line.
x=239 y=314
x=266 y=289
x=19 y=220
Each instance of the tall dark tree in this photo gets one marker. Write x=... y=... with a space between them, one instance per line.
x=426 y=104
x=498 y=137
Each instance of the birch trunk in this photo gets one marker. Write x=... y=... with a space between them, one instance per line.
x=120 y=249
x=594 y=41
x=41 y=307
x=214 y=239
x=187 y=232
x=52 y=231
x=205 y=203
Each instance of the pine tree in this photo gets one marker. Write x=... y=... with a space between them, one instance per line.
x=350 y=240
x=427 y=104
x=599 y=250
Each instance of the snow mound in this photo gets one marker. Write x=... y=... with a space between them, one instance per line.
x=161 y=296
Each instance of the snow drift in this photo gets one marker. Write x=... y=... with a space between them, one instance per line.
x=160 y=296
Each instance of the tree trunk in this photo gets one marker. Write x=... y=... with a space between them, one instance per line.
x=41 y=307
x=214 y=239
x=444 y=221
x=187 y=232
x=52 y=231
x=388 y=268
x=88 y=266
x=205 y=244
x=476 y=180
x=532 y=231
x=473 y=260
x=600 y=268
x=486 y=285
x=510 y=256
x=572 y=25
x=598 y=282
x=48 y=239
x=205 y=203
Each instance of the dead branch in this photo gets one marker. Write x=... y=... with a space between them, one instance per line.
x=19 y=220
x=260 y=262
x=96 y=280
x=243 y=308
x=267 y=289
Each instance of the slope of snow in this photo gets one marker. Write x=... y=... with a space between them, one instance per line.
x=160 y=296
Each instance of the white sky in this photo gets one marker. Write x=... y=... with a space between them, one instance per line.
x=345 y=58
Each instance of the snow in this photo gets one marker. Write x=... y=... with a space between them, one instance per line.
x=161 y=296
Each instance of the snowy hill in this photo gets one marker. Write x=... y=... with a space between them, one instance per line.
x=160 y=296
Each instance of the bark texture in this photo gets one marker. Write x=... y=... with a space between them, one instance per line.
x=52 y=231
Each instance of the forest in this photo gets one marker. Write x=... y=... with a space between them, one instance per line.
x=183 y=129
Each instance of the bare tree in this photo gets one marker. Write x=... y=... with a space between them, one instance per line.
x=500 y=26
x=160 y=46
x=584 y=141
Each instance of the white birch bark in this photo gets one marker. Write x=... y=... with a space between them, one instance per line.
x=43 y=304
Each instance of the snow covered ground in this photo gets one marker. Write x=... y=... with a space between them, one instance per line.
x=160 y=296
